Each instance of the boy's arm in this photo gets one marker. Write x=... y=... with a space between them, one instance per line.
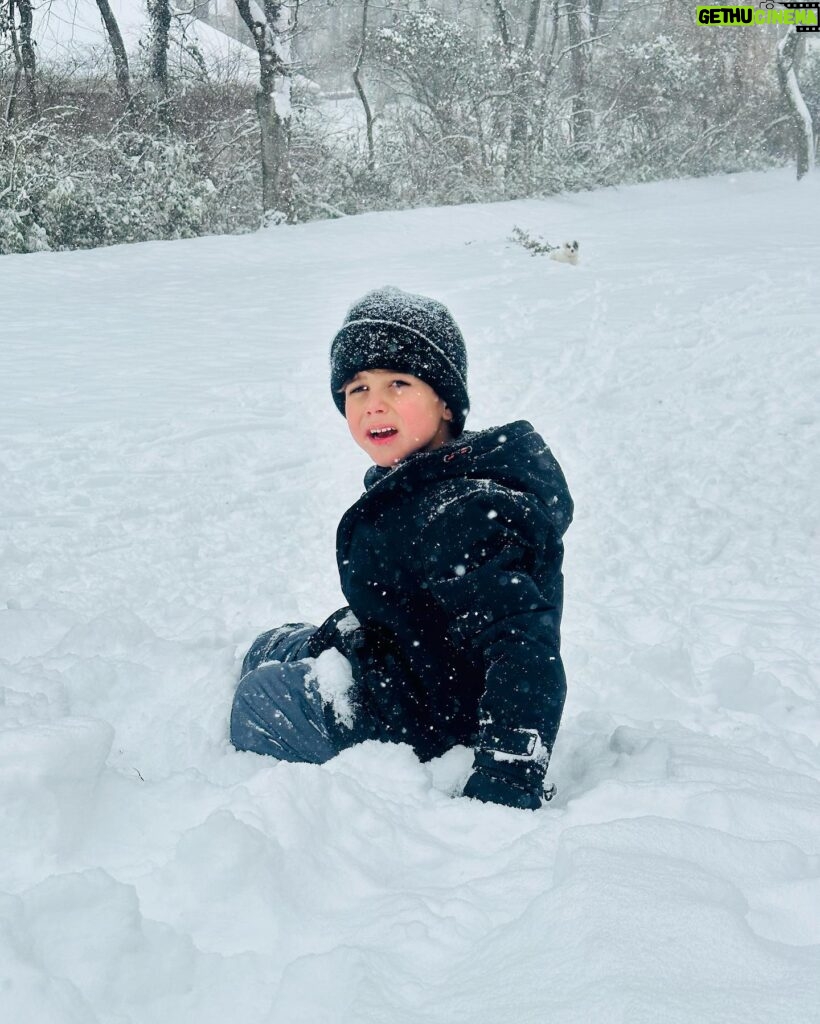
x=338 y=631
x=480 y=555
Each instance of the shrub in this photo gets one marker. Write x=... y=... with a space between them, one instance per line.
x=66 y=192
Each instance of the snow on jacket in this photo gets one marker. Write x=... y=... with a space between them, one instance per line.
x=451 y=564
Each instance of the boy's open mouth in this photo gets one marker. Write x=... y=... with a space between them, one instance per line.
x=382 y=433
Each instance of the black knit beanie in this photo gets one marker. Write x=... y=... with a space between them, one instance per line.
x=389 y=329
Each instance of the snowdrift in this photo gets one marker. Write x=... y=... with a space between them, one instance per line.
x=172 y=470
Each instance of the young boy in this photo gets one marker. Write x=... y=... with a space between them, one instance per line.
x=450 y=562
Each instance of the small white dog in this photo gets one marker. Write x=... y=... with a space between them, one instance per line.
x=536 y=246
x=567 y=253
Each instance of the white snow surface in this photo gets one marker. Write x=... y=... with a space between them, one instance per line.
x=172 y=470
x=332 y=675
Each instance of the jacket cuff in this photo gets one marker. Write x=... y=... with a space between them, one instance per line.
x=513 y=746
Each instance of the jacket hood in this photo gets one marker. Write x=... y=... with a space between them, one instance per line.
x=514 y=456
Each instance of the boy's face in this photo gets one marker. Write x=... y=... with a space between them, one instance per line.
x=391 y=415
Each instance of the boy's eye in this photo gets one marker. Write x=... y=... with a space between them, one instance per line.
x=398 y=384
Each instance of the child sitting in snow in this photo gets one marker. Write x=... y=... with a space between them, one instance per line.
x=450 y=562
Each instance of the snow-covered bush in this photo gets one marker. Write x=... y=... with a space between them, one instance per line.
x=86 y=174
x=67 y=192
x=466 y=109
x=436 y=133
x=677 y=103
x=330 y=175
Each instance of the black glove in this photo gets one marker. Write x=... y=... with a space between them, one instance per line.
x=512 y=773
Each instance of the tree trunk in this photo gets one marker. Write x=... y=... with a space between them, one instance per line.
x=532 y=25
x=368 y=114
x=272 y=39
x=11 y=102
x=523 y=98
x=276 y=198
x=118 y=49
x=159 y=13
x=503 y=26
x=595 y=8
x=578 y=26
x=24 y=52
x=800 y=114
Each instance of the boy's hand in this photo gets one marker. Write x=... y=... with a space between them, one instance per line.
x=513 y=783
x=509 y=768
x=495 y=789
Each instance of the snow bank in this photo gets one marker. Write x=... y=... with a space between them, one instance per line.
x=171 y=473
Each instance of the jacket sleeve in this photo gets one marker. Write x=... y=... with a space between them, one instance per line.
x=493 y=565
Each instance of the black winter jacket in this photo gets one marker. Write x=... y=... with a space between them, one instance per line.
x=451 y=563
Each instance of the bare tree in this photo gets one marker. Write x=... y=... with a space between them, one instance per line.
x=24 y=57
x=271 y=32
x=787 y=54
x=368 y=113
x=8 y=24
x=118 y=49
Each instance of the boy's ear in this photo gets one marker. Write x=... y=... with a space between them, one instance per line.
x=448 y=412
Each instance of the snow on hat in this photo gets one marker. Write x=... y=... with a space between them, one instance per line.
x=390 y=329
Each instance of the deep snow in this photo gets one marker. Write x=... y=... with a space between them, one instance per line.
x=171 y=473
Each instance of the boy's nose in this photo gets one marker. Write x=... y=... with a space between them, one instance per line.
x=375 y=404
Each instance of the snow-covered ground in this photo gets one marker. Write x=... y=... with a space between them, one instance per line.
x=171 y=473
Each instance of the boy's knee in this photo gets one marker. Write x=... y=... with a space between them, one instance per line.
x=250 y=701
x=276 y=712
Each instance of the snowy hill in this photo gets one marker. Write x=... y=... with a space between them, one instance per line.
x=171 y=473
x=70 y=33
